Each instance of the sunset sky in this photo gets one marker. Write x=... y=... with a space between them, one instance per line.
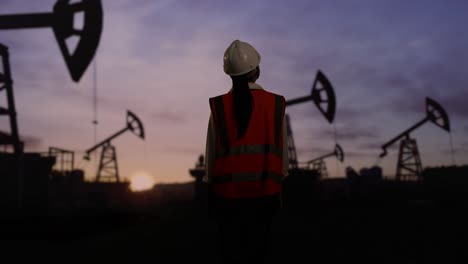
x=163 y=60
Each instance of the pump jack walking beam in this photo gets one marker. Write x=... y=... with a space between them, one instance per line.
x=62 y=22
x=338 y=153
x=435 y=113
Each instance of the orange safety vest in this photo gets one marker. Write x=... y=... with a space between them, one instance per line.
x=253 y=165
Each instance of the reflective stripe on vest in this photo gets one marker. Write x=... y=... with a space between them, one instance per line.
x=249 y=149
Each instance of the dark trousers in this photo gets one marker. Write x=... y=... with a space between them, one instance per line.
x=244 y=228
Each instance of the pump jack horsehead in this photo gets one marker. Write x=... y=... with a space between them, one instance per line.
x=409 y=162
x=62 y=21
x=323 y=96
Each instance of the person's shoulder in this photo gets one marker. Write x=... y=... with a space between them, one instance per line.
x=217 y=96
x=274 y=94
x=265 y=91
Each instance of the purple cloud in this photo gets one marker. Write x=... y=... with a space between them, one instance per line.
x=313 y=151
x=358 y=154
x=376 y=146
x=181 y=150
x=167 y=116
x=457 y=151
x=358 y=134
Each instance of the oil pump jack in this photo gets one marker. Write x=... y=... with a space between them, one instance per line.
x=65 y=28
x=409 y=165
x=108 y=168
x=323 y=96
x=62 y=21
x=319 y=165
x=77 y=59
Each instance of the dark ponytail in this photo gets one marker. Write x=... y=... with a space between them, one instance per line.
x=243 y=103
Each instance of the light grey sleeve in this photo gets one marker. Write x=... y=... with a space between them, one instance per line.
x=210 y=150
x=285 y=149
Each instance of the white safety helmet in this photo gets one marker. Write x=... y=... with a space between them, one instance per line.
x=240 y=58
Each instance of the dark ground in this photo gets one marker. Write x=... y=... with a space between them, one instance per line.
x=183 y=233
x=386 y=224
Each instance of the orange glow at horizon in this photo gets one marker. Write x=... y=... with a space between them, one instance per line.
x=141 y=181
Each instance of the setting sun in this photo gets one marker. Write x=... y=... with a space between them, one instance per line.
x=141 y=181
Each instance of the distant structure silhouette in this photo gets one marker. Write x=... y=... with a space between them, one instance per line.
x=351 y=173
x=108 y=169
x=319 y=165
x=409 y=165
x=198 y=172
x=64 y=158
x=374 y=172
x=201 y=162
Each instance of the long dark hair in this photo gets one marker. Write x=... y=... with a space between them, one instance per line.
x=243 y=103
